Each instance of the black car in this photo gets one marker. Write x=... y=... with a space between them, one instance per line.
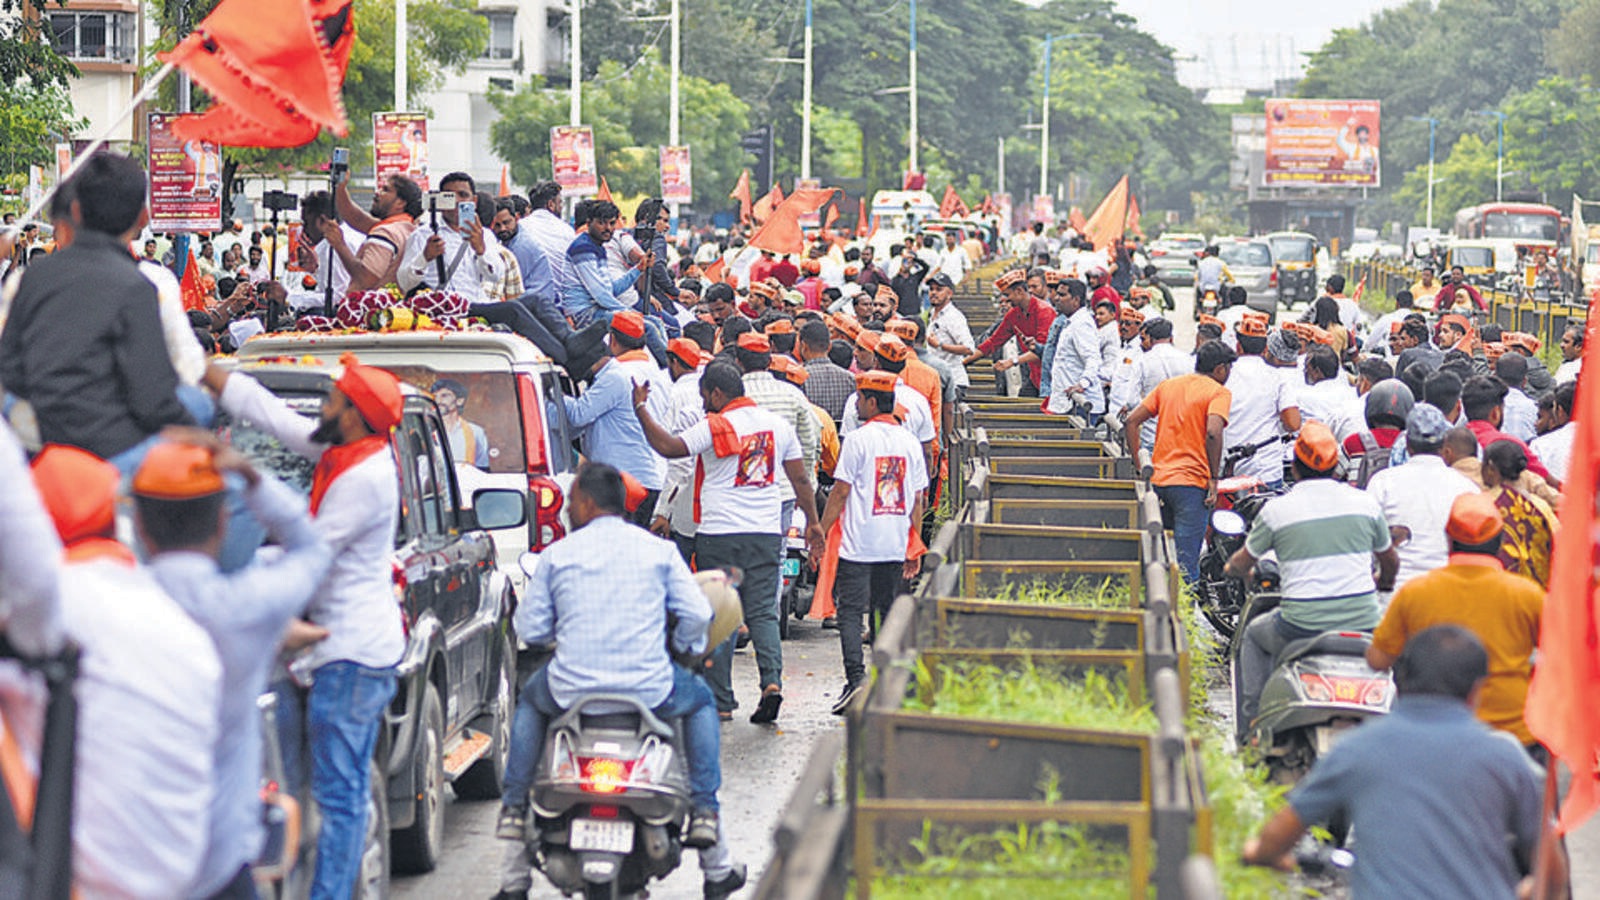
x=450 y=720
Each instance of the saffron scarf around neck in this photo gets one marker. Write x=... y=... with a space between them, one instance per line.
x=724 y=442
x=337 y=460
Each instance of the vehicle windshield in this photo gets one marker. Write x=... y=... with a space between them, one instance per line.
x=1522 y=226
x=1293 y=249
x=1591 y=253
x=267 y=452
x=1181 y=244
x=1247 y=255
x=1472 y=257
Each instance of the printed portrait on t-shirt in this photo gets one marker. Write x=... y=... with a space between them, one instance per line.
x=756 y=461
x=889 y=486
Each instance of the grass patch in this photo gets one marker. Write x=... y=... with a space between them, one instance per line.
x=1035 y=859
x=1030 y=693
x=1085 y=591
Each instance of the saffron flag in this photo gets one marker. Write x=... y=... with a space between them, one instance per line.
x=741 y=193
x=189 y=289
x=1560 y=708
x=713 y=272
x=781 y=232
x=1076 y=220
x=605 y=190
x=1109 y=217
x=505 y=180
x=762 y=210
x=274 y=67
x=1361 y=288
x=861 y=217
x=914 y=181
x=1132 y=223
x=952 y=205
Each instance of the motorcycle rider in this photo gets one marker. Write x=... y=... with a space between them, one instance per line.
x=618 y=646
x=1210 y=272
x=1264 y=403
x=1325 y=534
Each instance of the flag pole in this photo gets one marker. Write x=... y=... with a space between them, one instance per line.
x=145 y=93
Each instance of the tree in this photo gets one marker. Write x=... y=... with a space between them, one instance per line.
x=26 y=55
x=1543 y=128
x=1464 y=178
x=626 y=108
x=32 y=120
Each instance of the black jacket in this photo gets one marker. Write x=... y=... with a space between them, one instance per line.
x=83 y=345
x=907 y=285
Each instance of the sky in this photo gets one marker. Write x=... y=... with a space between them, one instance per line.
x=1245 y=43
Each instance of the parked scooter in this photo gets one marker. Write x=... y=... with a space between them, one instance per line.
x=1239 y=501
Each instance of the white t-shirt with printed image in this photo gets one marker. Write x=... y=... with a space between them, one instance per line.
x=740 y=493
x=883 y=464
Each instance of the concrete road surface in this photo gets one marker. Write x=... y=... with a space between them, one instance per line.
x=760 y=764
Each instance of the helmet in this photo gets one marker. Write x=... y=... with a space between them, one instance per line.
x=1389 y=403
x=1097 y=273
x=722 y=590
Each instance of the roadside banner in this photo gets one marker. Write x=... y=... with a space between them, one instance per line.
x=677 y=176
x=572 y=160
x=810 y=220
x=185 y=180
x=400 y=146
x=1322 y=142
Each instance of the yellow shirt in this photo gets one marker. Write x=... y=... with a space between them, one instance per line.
x=1475 y=592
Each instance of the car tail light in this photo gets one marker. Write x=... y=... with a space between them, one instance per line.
x=547 y=502
x=604 y=775
x=1272 y=280
x=532 y=424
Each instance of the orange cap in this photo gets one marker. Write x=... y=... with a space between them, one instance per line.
x=904 y=329
x=78 y=490
x=1010 y=278
x=173 y=471
x=1493 y=350
x=687 y=351
x=811 y=266
x=628 y=322
x=884 y=292
x=1130 y=313
x=1316 y=447
x=846 y=325
x=868 y=340
x=779 y=326
x=1319 y=335
x=1052 y=276
x=764 y=289
x=1458 y=320
x=877 y=380
x=375 y=393
x=851 y=270
x=755 y=343
x=1253 y=326
x=1474 y=519
x=1524 y=340
x=893 y=349
x=788 y=369
x=1208 y=319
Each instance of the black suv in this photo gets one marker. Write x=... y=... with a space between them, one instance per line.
x=450 y=721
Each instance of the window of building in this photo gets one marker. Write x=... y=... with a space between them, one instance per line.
x=93 y=36
x=502 y=35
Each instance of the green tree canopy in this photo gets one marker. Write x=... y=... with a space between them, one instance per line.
x=1464 y=177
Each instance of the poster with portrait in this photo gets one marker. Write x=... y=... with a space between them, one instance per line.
x=185 y=180
x=1322 y=142
x=400 y=146
x=677 y=178
x=572 y=160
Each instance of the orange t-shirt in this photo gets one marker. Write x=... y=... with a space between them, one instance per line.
x=925 y=380
x=1182 y=406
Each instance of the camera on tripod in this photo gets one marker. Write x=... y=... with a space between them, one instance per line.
x=280 y=201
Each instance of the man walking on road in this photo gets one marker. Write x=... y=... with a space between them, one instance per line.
x=949 y=337
x=741 y=450
x=1193 y=411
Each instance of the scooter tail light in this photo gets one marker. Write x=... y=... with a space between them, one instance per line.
x=604 y=775
x=1376 y=692
x=1316 y=687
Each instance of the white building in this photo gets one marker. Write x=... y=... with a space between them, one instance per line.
x=102 y=38
x=526 y=38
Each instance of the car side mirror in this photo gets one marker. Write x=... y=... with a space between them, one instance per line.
x=496 y=508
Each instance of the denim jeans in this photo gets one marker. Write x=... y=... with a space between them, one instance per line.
x=343 y=714
x=655 y=337
x=1264 y=638
x=690 y=700
x=860 y=589
x=785 y=517
x=1183 y=509
x=521 y=320
x=757 y=556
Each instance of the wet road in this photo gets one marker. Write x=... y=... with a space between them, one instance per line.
x=760 y=764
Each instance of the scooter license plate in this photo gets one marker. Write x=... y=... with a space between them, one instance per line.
x=791 y=567
x=602 y=835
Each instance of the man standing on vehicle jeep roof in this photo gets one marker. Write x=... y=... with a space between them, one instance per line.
x=355 y=497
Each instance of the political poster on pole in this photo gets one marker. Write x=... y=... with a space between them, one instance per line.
x=63 y=160
x=400 y=146
x=1322 y=142
x=185 y=180
x=572 y=160
x=677 y=177
x=811 y=219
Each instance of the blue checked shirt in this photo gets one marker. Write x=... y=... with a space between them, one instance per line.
x=604 y=593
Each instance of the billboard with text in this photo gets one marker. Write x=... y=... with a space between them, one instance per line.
x=1322 y=142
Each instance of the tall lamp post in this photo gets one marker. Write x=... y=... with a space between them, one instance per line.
x=1044 y=122
x=913 y=137
x=1499 y=153
x=1433 y=125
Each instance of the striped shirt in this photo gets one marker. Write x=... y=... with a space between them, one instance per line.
x=1324 y=533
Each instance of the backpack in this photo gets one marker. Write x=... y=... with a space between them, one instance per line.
x=1374 y=459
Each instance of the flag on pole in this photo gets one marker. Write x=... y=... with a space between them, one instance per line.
x=1132 y=223
x=781 y=232
x=1076 y=220
x=505 y=180
x=1361 y=288
x=762 y=210
x=1109 y=216
x=741 y=193
x=1560 y=708
x=274 y=67
x=952 y=206
x=827 y=224
x=605 y=190
x=189 y=289
x=861 y=218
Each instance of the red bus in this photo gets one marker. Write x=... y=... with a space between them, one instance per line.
x=1529 y=224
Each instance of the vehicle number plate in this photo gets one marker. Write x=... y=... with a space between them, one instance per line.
x=601 y=835
x=791 y=567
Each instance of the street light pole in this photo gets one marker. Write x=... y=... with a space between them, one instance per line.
x=575 y=52
x=1044 y=123
x=914 y=137
x=1433 y=125
x=1000 y=164
x=1500 y=151
x=805 y=102
x=676 y=55
x=402 y=40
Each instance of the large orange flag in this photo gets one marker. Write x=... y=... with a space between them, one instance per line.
x=1076 y=220
x=952 y=206
x=194 y=296
x=762 y=210
x=741 y=193
x=1109 y=216
x=1132 y=223
x=274 y=67
x=861 y=217
x=605 y=190
x=781 y=233
x=1562 y=700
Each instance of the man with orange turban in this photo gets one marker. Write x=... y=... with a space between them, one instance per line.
x=355 y=497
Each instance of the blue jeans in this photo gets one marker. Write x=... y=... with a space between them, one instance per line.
x=654 y=337
x=343 y=714
x=690 y=700
x=1183 y=509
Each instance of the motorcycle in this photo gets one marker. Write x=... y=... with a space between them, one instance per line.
x=1239 y=501
x=795 y=602
x=1207 y=303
